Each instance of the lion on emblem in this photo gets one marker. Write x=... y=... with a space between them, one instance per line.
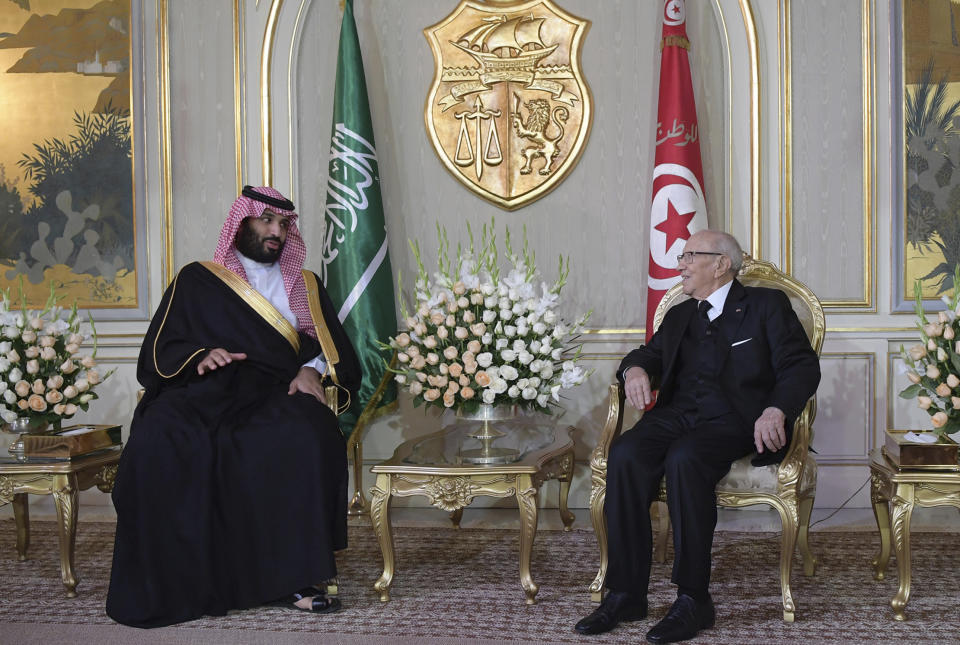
x=538 y=119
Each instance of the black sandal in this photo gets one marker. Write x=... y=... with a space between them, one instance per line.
x=321 y=604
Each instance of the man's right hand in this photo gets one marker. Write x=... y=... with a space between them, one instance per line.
x=636 y=386
x=218 y=358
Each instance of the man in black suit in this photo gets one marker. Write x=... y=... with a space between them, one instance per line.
x=734 y=369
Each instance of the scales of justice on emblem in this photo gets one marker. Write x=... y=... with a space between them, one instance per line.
x=509 y=110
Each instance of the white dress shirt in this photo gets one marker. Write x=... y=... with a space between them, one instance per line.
x=268 y=280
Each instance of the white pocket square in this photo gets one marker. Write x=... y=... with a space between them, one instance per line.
x=741 y=342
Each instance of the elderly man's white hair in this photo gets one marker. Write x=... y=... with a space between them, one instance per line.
x=728 y=245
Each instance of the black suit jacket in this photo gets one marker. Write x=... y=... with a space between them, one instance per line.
x=766 y=358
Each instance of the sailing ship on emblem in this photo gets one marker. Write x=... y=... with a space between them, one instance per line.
x=506 y=60
x=493 y=44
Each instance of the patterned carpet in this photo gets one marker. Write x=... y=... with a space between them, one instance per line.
x=463 y=586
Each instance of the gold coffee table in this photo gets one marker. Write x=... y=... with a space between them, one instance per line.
x=62 y=479
x=433 y=466
x=894 y=493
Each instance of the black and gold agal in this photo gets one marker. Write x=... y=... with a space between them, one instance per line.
x=509 y=110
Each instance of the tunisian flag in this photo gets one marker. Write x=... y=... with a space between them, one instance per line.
x=678 y=209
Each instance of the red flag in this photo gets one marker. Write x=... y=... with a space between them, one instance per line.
x=678 y=209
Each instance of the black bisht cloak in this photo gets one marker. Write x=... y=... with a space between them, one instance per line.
x=230 y=492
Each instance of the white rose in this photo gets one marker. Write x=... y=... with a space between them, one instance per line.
x=488 y=316
x=536 y=366
x=10 y=397
x=399 y=378
x=529 y=393
x=506 y=314
x=508 y=355
x=28 y=336
x=509 y=373
x=499 y=386
x=416 y=388
x=14 y=375
x=8 y=416
x=556 y=354
x=485 y=359
x=403 y=357
x=488 y=396
x=11 y=332
x=501 y=343
x=490 y=302
x=513 y=391
x=522 y=330
x=510 y=331
x=505 y=303
x=517 y=309
x=432 y=358
x=487 y=289
x=534 y=381
x=525 y=357
x=82 y=385
x=522 y=383
x=487 y=338
x=3 y=387
x=542 y=400
x=4 y=365
x=493 y=372
x=5 y=346
x=70 y=391
x=36 y=323
x=519 y=345
x=535 y=346
x=546 y=373
x=549 y=317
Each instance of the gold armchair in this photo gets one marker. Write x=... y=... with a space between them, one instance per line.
x=789 y=486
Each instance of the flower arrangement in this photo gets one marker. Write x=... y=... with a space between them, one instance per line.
x=934 y=364
x=43 y=376
x=477 y=337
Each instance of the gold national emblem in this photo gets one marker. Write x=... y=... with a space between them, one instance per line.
x=509 y=110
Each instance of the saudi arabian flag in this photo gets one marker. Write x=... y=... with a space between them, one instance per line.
x=356 y=268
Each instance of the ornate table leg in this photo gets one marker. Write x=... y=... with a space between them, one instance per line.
x=881 y=511
x=21 y=513
x=527 y=502
x=380 y=518
x=65 y=498
x=902 y=508
x=456 y=516
x=565 y=515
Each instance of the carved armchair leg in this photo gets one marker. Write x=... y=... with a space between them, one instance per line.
x=597 y=496
x=789 y=519
x=809 y=562
x=455 y=517
x=663 y=530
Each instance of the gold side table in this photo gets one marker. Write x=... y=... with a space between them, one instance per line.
x=62 y=479
x=894 y=493
x=429 y=466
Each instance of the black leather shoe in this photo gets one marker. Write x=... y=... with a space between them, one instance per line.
x=617 y=607
x=684 y=620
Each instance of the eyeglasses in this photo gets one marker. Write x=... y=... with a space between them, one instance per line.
x=687 y=256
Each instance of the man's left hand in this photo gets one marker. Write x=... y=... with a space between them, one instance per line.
x=308 y=381
x=768 y=430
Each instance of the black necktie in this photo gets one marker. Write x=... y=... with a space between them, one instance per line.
x=702 y=308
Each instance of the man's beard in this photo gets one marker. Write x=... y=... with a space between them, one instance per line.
x=253 y=246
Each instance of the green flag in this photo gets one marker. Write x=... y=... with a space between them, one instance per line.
x=356 y=267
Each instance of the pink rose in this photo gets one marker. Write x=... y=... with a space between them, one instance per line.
x=449 y=398
x=482 y=378
x=467 y=393
x=54 y=396
x=455 y=369
x=403 y=340
x=36 y=403
x=431 y=395
x=22 y=388
x=939 y=419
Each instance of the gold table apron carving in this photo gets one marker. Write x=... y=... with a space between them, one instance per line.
x=63 y=480
x=451 y=487
x=894 y=493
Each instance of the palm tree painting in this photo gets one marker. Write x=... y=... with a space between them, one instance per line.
x=66 y=165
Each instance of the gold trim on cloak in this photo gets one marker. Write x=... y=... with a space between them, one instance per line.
x=256 y=301
x=327 y=346
x=156 y=365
